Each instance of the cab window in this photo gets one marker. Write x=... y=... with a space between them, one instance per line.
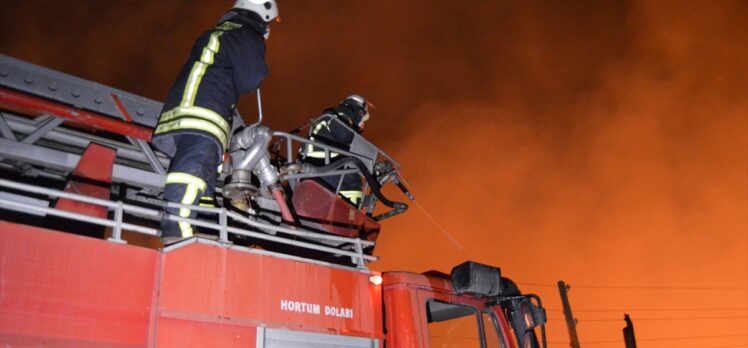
x=491 y=330
x=452 y=325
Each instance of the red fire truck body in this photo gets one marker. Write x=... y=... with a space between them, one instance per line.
x=59 y=288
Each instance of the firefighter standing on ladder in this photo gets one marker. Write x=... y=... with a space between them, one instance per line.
x=194 y=128
x=353 y=112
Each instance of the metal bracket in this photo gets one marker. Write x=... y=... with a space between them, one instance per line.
x=45 y=126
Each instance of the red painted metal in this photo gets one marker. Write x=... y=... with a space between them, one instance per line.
x=63 y=290
x=60 y=289
x=409 y=293
x=26 y=104
x=92 y=177
x=214 y=288
x=121 y=108
x=402 y=304
x=505 y=329
x=313 y=201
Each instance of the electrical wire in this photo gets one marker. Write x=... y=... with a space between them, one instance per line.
x=537 y=284
x=655 y=339
x=642 y=287
x=660 y=287
x=634 y=310
x=655 y=319
x=688 y=338
x=566 y=344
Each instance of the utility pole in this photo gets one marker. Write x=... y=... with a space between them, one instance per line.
x=628 y=332
x=571 y=324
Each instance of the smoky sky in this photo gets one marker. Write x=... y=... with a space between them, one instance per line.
x=603 y=143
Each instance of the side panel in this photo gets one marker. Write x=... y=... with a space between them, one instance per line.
x=58 y=289
x=203 y=331
x=404 y=314
x=205 y=286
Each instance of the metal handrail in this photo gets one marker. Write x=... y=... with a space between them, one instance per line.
x=119 y=208
x=290 y=138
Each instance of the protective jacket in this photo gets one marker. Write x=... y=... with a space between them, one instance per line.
x=224 y=63
x=194 y=128
x=329 y=132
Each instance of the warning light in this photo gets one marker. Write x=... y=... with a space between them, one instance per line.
x=376 y=279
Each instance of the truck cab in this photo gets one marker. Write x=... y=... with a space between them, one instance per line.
x=436 y=310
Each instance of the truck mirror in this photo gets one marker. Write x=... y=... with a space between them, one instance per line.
x=538 y=314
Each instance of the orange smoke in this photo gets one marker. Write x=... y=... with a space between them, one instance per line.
x=628 y=179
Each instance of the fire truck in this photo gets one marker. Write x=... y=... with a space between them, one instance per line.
x=283 y=262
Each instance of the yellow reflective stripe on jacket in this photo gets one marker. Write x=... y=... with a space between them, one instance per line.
x=198 y=112
x=352 y=195
x=319 y=126
x=206 y=201
x=193 y=123
x=199 y=68
x=213 y=46
x=310 y=151
x=194 y=185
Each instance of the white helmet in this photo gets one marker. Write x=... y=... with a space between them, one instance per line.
x=267 y=9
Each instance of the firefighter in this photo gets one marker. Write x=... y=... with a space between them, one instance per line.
x=194 y=128
x=353 y=111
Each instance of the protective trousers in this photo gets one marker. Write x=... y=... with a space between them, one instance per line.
x=192 y=175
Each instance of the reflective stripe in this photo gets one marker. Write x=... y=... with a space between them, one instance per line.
x=318 y=154
x=199 y=68
x=310 y=151
x=190 y=90
x=213 y=46
x=194 y=185
x=206 y=201
x=199 y=118
x=192 y=123
x=190 y=193
x=197 y=112
x=187 y=179
x=319 y=126
x=352 y=195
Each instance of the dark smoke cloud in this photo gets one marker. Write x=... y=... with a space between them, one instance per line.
x=603 y=143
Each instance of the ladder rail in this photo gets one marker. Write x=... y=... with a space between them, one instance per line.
x=119 y=208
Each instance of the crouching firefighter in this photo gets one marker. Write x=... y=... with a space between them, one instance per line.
x=194 y=128
x=353 y=112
